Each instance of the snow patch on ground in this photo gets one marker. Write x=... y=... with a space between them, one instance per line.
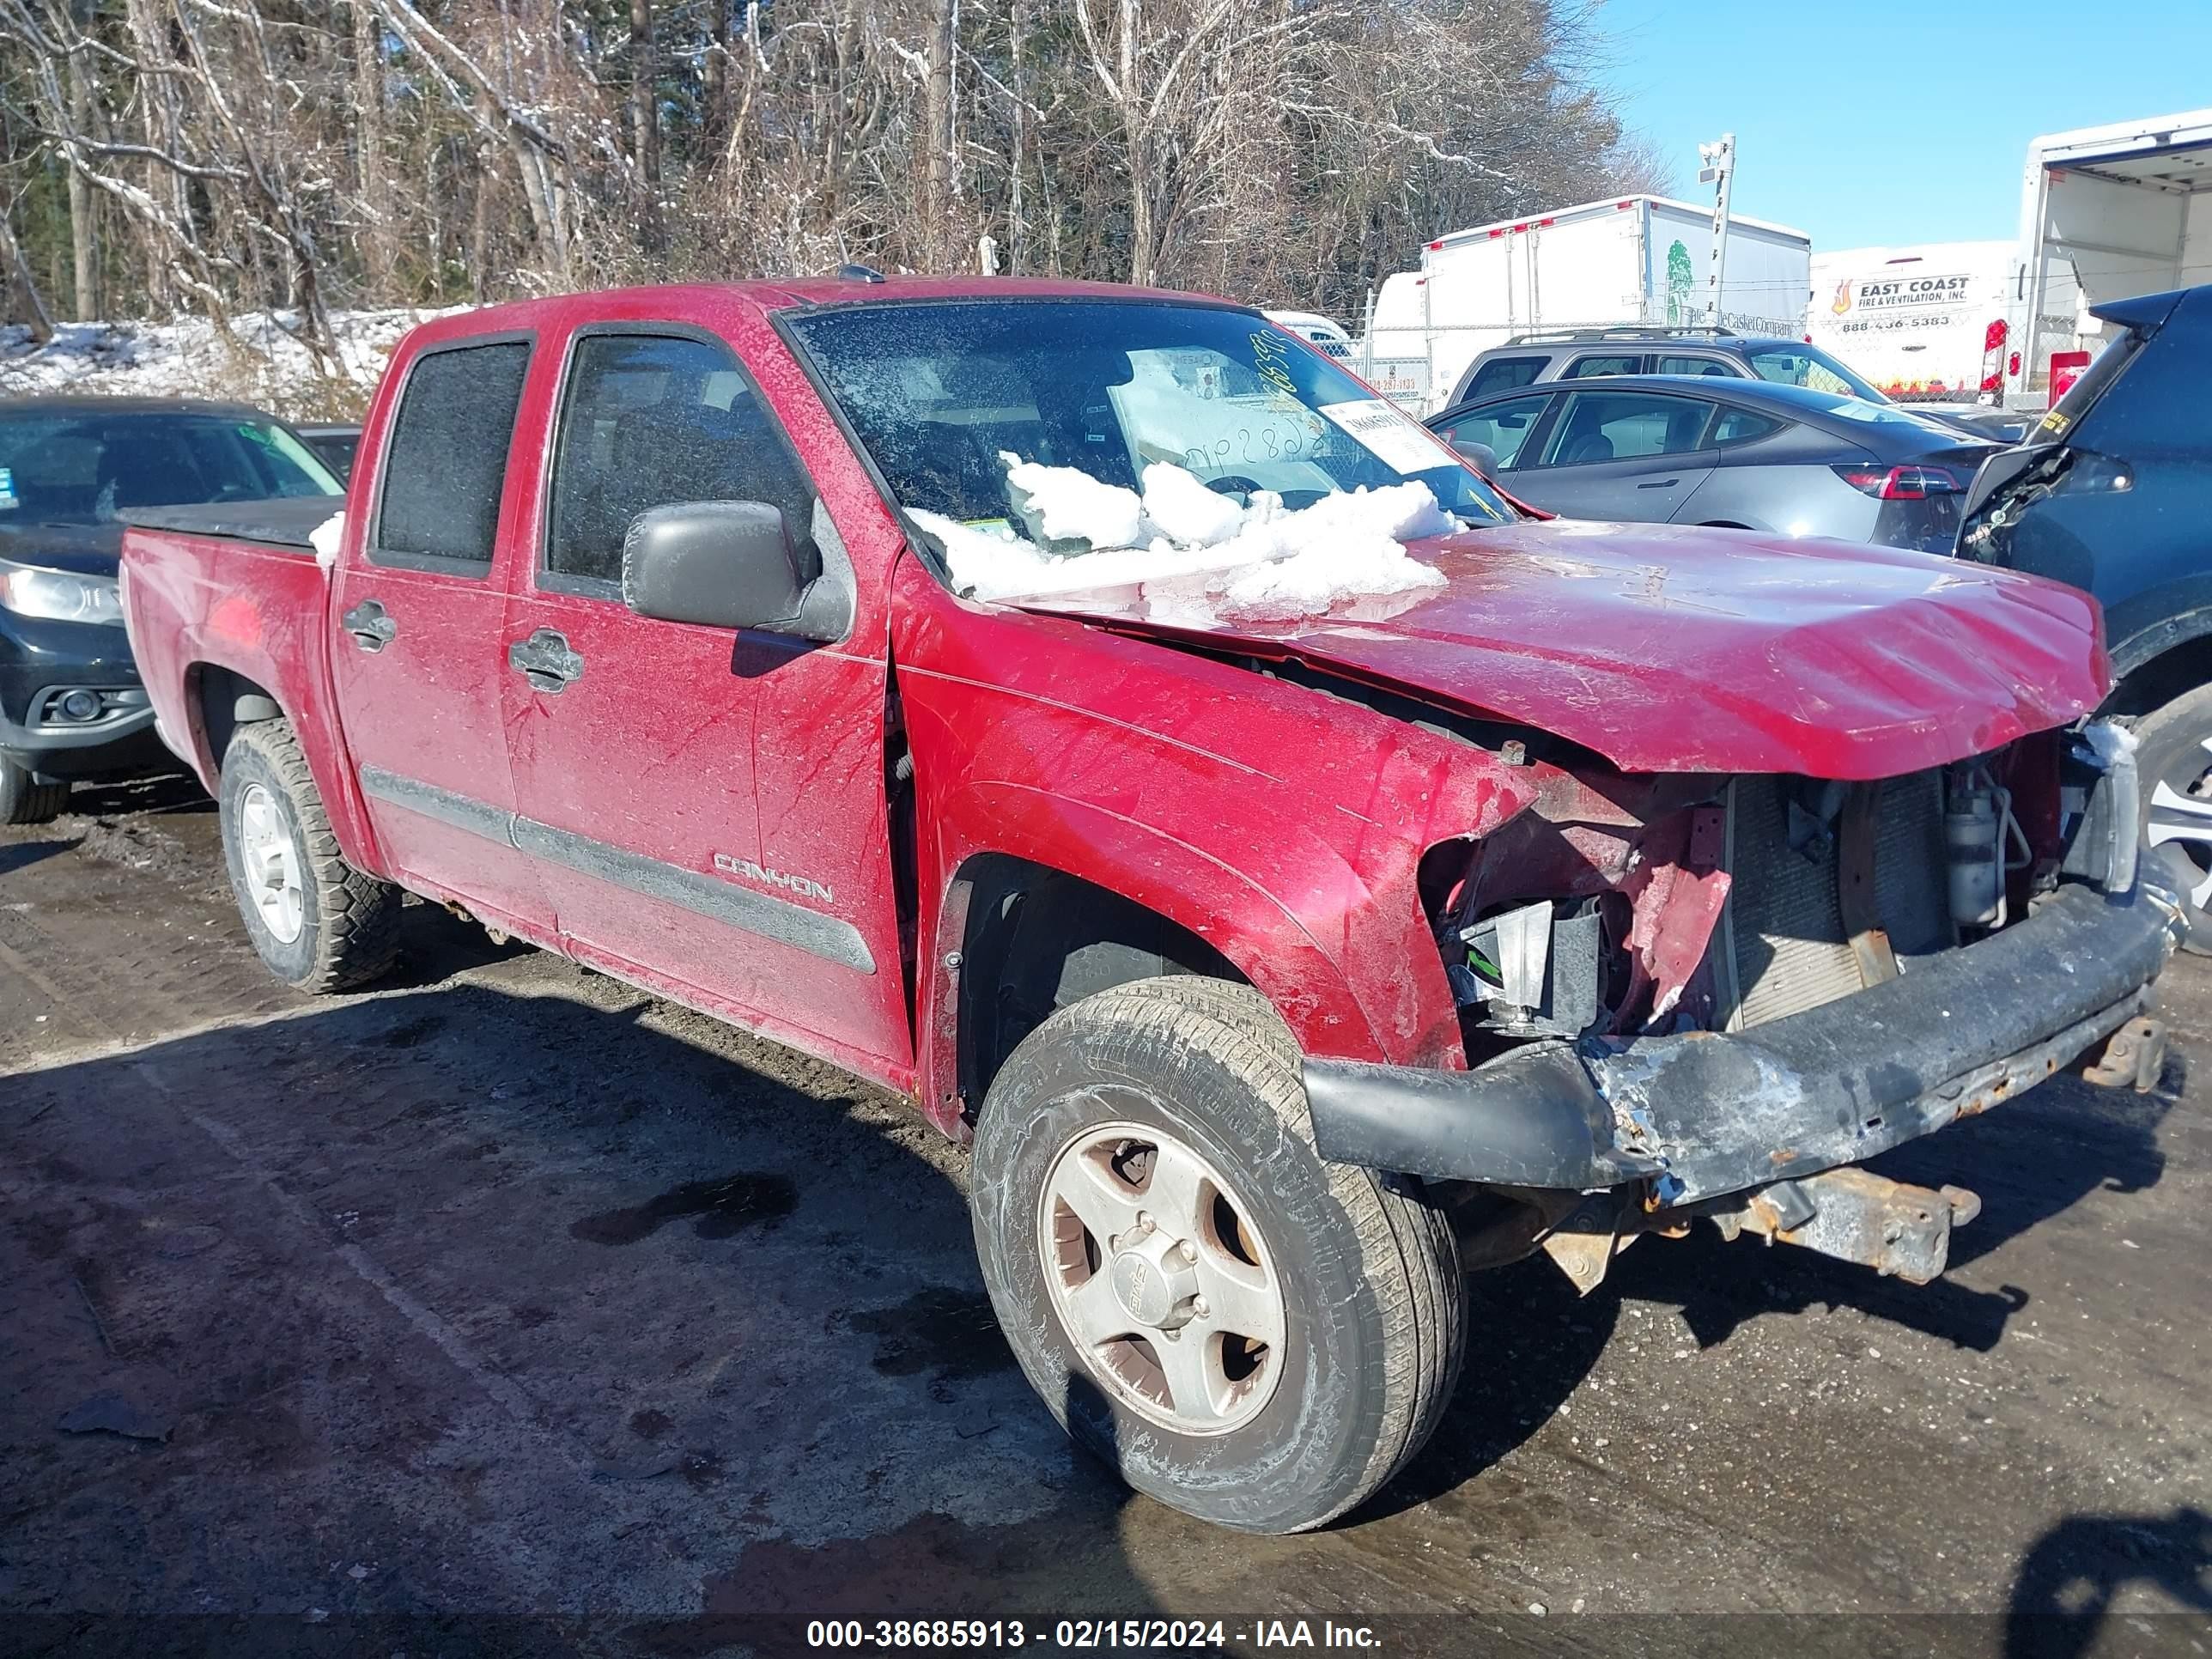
x=1263 y=557
x=263 y=363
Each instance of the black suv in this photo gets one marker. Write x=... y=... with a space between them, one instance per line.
x=72 y=469
x=2112 y=492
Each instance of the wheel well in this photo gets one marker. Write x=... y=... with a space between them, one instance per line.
x=2177 y=669
x=227 y=701
x=1038 y=939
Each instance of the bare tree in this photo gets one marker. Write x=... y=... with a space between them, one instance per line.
x=83 y=237
x=24 y=299
x=371 y=186
x=645 y=118
x=217 y=155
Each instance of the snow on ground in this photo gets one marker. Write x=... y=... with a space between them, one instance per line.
x=264 y=363
x=1263 y=557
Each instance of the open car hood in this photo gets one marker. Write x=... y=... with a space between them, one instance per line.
x=1668 y=649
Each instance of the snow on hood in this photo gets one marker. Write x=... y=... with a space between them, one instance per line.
x=1674 y=649
x=1264 y=555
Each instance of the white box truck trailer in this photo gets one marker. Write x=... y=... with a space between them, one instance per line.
x=2106 y=213
x=1919 y=321
x=1632 y=260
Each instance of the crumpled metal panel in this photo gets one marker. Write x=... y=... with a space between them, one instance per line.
x=1671 y=648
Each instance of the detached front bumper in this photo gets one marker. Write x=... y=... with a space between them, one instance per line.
x=1700 y=1117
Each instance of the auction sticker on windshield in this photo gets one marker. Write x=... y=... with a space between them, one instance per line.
x=1387 y=433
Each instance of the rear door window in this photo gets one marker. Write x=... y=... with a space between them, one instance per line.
x=1698 y=365
x=652 y=420
x=1742 y=426
x=1585 y=367
x=1504 y=374
x=446 y=466
x=1625 y=426
x=1504 y=427
x=1808 y=366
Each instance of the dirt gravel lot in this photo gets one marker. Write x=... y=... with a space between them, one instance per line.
x=507 y=1308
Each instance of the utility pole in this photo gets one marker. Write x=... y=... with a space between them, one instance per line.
x=1718 y=170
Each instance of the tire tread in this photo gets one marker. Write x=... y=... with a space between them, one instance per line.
x=1409 y=1253
x=24 y=799
x=357 y=937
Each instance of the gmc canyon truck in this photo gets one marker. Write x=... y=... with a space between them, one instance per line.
x=1278 y=965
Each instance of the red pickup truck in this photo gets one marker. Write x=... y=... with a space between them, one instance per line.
x=1281 y=958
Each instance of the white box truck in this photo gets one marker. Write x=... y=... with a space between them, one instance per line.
x=1916 y=321
x=2106 y=213
x=1631 y=260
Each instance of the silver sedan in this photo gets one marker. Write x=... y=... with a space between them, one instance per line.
x=1683 y=449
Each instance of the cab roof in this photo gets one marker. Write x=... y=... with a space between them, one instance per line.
x=784 y=296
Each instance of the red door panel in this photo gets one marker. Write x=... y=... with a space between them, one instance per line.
x=642 y=751
x=417 y=651
x=422 y=726
x=638 y=797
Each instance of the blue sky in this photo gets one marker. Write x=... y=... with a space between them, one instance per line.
x=1872 y=121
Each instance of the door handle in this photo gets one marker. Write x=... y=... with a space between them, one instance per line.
x=1660 y=484
x=545 y=661
x=371 y=625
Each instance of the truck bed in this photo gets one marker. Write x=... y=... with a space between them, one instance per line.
x=237 y=586
x=288 y=523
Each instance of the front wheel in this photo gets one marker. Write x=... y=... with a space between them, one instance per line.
x=2174 y=761
x=24 y=799
x=1245 y=1331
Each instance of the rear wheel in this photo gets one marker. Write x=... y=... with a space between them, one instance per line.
x=2173 y=759
x=318 y=923
x=1245 y=1331
x=24 y=799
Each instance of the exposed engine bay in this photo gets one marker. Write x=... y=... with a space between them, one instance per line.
x=1624 y=907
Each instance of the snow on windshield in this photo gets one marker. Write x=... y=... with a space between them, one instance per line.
x=1087 y=534
x=1056 y=443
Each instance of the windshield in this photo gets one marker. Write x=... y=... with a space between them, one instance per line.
x=948 y=396
x=1808 y=366
x=83 y=467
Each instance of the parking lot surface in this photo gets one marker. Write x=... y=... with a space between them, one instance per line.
x=507 y=1291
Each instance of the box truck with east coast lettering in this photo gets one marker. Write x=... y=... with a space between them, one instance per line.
x=1926 y=324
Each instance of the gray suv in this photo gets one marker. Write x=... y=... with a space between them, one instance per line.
x=1578 y=354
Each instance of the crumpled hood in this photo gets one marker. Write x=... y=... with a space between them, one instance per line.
x=1676 y=649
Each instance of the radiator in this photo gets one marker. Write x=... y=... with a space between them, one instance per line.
x=1784 y=947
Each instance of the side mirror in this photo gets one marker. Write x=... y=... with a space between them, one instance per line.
x=718 y=564
x=1481 y=457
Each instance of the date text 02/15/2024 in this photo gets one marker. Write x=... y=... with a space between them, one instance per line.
x=1087 y=1634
